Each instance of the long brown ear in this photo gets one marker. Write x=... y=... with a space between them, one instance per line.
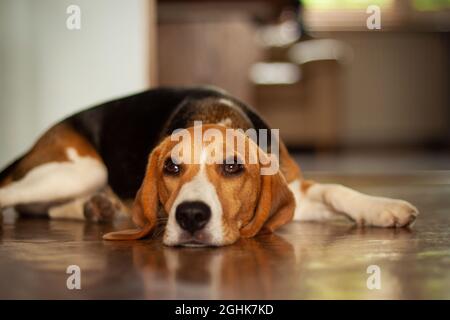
x=275 y=207
x=145 y=207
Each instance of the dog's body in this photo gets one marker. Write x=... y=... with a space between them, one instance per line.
x=77 y=168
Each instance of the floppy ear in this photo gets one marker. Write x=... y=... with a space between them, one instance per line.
x=275 y=207
x=145 y=207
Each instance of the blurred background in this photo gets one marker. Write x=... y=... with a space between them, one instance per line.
x=345 y=98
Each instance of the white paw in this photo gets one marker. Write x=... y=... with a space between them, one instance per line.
x=383 y=212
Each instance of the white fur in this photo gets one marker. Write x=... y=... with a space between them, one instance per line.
x=56 y=181
x=73 y=210
x=324 y=201
x=227 y=102
x=364 y=209
x=307 y=209
x=198 y=189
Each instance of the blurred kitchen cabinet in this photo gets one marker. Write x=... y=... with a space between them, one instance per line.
x=307 y=112
x=206 y=45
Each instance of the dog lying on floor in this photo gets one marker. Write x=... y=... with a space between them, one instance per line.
x=211 y=191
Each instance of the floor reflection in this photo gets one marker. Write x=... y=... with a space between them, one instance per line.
x=307 y=260
x=250 y=268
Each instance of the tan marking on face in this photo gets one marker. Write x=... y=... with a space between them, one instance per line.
x=169 y=186
x=238 y=195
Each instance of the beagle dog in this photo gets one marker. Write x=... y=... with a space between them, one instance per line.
x=88 y=165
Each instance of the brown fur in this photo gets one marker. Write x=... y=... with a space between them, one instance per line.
x=6 y=181
x=288 y=166
x=51 y=147
x=275 y=207
x=305 y=185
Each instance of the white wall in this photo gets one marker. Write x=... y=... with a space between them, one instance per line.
x=48 y=71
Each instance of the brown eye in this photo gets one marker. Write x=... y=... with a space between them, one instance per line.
x=232 y=169
x=170 y=168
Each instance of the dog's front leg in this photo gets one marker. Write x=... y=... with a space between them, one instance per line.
x=362 y=208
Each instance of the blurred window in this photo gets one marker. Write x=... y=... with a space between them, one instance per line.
x=334 y=15
x=431 y=5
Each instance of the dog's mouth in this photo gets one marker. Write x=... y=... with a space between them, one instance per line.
x=194 y=244
x=198 y=239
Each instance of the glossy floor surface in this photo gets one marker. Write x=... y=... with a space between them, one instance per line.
x=301 y=261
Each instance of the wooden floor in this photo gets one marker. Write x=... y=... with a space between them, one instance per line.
x=301 y=261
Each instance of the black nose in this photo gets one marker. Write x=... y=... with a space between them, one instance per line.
x=192 y=216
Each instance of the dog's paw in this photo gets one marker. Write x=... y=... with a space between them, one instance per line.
x=383 y=212
x=99 y=208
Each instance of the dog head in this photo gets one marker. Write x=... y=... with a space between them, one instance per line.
x=210 y=191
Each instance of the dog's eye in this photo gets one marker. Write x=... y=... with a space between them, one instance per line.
x=170 y=168
x=232 y=169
